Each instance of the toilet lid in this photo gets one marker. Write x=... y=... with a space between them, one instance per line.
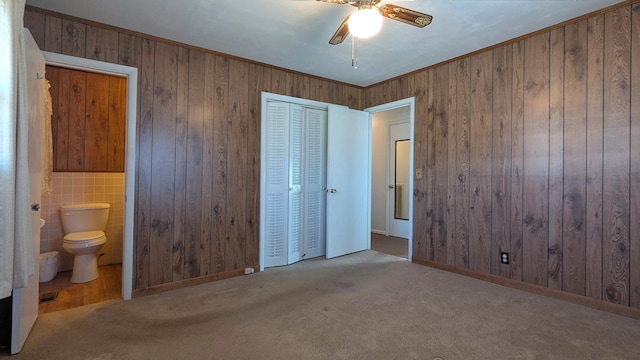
x=84 y=236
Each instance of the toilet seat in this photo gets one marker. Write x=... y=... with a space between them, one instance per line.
x=85 y=238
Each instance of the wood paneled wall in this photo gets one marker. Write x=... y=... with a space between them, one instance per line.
x=533 y=148
x=530 y=148
x=198 y=144
x=88 y=120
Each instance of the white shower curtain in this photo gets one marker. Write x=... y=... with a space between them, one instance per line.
x=16 y=244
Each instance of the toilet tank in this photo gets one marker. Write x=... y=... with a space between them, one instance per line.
x=84 y=217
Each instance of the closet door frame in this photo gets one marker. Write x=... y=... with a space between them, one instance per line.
x=268 y=97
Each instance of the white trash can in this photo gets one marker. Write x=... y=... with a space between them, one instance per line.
x=49 y=263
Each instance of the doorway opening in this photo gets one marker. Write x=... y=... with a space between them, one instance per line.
x=344 y=219
x=392 y=178
x=131 y=75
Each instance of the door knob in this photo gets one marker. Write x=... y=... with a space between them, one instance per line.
x=333 y=191
x=35 y=207
x=391 y=186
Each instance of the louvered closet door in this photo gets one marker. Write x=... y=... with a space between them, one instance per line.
x=296 y=189
x=315 y=182
x=277 y=184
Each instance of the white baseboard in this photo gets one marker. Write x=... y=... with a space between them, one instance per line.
x=379 y=232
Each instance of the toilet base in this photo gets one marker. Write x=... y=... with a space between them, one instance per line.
x=85 y=268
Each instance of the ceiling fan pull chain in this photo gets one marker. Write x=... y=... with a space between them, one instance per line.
x=354 y=59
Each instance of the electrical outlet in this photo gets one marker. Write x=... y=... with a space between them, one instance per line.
x=248 y=270
x=504 y=257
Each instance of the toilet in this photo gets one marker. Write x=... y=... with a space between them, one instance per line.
x=84 y=225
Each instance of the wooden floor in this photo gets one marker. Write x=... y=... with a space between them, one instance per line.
x=107 y=286
x=390 y=245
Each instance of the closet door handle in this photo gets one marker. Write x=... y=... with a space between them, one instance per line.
x=333 y=191
x=35 y=207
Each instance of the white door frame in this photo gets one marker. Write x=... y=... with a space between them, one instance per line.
x=393 y=105
x=391 y=221
x=131 y=74
x=266 y=96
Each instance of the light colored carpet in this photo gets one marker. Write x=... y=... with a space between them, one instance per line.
x=367 y=305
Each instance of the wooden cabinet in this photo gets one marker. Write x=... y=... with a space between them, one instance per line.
x=88 y=121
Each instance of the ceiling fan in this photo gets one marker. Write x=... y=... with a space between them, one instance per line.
x=367 y=21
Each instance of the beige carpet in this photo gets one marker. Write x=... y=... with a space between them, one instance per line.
x=363 y=306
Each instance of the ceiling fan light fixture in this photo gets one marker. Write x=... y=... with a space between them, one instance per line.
x=365 y=23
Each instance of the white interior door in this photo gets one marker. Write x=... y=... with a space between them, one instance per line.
x=315 y=183
x=275 y=168
x=398 y=175
x=25 y=300
x=348 y=181
x=296 y=190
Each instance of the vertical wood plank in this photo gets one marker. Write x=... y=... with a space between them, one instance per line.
x=441 y=94
x=208 y=167
x=237 y=165
x=102 y=44
x=220 y=115
x=517 y=161
x=594 y=157
x=259 y=78
x=116 y=123
x=129 y=50
x=556 y=88
x=35 y=22
x=616 y=156
x=97 y=122
x=452 y=175
x=402 y=89
x=73 y=38
x=390 y=91
x=77 y=111
x=163 y=164
x=300 y=86
x=481 y=140
x=352 y=97
x=462 y=139
x=53 y=34
x=60 y=123
x=418 y=84
x=431 y=161
x=180 y=217
x=535 y=199
x=144 y=135
x=575 y=158
x=278 y=82
x=501 y=155
x=197 y=237
x=634 y=186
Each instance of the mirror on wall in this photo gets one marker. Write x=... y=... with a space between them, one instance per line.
x=401 y=185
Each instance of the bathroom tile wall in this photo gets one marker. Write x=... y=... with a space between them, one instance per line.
x=74 y=188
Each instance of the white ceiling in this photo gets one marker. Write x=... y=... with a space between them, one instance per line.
x=294 y=34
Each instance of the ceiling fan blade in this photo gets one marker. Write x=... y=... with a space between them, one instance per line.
x=341 y=33
x=358 y=4
x=352 y=2
x=405 y=15
x=335 y=1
